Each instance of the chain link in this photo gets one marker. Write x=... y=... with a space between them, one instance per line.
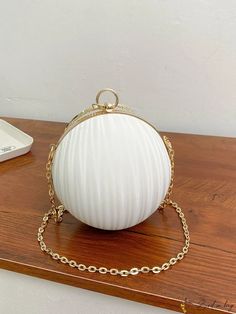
x=57 y=212
x=171 y=154
x=114 y=271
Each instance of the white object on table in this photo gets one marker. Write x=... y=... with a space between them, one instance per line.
x=13 y=142
x=111 y=171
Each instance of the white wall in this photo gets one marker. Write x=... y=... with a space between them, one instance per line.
x=21 y=294
x=175 y=61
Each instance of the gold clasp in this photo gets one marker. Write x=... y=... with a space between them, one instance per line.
x=182 y=305
x=107 y=106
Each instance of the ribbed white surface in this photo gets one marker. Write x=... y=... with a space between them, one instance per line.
x=111 y=171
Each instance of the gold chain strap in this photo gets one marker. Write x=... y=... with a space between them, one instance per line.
x=57 y=212
x=114 y=271
x=172 y=163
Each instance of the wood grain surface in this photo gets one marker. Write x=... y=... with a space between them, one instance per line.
x=205 y=187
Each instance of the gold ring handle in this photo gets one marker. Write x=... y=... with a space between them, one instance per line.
x=108 y=106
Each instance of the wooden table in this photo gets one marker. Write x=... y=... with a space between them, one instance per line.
x=205 y=186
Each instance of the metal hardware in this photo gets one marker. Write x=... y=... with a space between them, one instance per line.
x=107 y=106
x=115 y=271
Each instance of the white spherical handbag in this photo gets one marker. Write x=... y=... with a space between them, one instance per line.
x=111 y=170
